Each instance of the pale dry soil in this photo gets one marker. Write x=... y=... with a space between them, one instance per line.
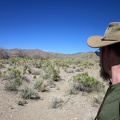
x=75 y=107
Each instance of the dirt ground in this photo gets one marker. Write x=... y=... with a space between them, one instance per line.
x=75 y=107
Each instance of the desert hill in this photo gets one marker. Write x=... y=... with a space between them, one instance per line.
x=36 y=53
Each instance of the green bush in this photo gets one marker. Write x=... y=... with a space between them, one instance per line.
x=18 y=81
x=12 y=85
x=51 y=72
x=84 y=82
x=14 y=73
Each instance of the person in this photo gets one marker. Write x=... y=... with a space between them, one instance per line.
x=109 y=54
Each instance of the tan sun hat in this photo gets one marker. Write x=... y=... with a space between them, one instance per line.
x=111 y=36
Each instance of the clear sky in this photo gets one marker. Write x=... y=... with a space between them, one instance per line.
x=61 y=26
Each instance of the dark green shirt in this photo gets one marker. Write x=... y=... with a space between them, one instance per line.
x=111 y=107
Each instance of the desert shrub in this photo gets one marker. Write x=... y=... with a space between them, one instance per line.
x=57 y=102
x=8 y=75
x=2 y=66
x=25 y=67
x=18 y=81
x=87 y=64
x=14 y=77
x=40 y=85
x=21 y=102
x=27 y=78
x=14 y=61
x=28 y=93
x=65 y=63
x=16 y=72
x=11 y=86
x=55 y=74
x=11 y=73
x=34 y=71
x=3 y=54
x=84 y=82
x=46 y=76
x=51 y=83
x=51 y=72
x=37 y=63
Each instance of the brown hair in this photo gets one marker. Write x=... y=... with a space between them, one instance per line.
x=116 y=48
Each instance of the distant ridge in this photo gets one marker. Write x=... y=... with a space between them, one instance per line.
x=37 y=53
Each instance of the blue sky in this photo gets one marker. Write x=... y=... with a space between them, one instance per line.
x=61 y=26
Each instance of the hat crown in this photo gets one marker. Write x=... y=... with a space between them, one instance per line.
x=113 y=31
x=111 y=36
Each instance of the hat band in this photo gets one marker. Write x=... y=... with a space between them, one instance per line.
x=109 y=39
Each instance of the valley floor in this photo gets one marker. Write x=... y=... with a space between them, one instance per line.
x=75 y=107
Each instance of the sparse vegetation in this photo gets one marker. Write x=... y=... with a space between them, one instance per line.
x=49 y=74
x=41 y=73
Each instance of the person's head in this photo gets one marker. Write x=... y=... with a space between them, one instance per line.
x=109 y=49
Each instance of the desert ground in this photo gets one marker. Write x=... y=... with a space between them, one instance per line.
x=80 y=106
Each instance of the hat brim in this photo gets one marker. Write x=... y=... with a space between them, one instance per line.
x=96 y=42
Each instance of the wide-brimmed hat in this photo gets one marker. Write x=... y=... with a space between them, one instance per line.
x=111 y=36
